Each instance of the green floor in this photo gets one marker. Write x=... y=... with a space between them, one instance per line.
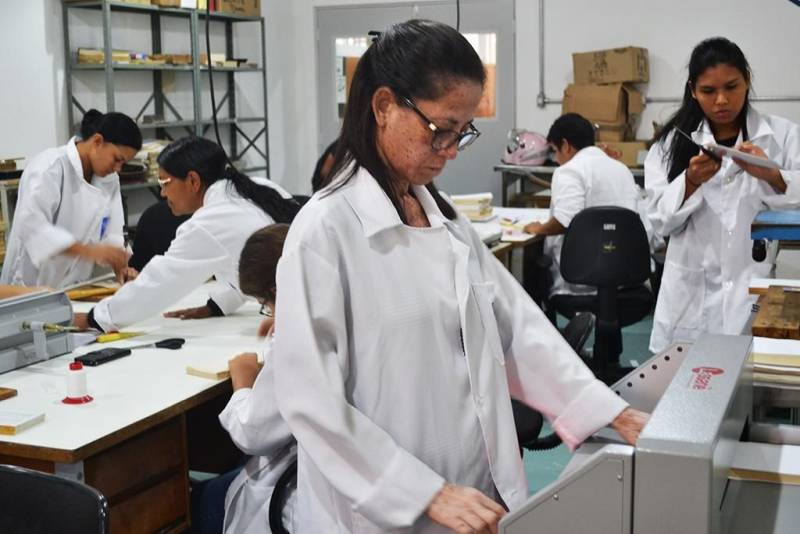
x=544 y=467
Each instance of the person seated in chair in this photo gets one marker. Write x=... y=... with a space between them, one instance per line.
x=243 y=496
x=154 y=233
x=587 y=177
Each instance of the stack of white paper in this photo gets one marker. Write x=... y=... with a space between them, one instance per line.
x=477 y=207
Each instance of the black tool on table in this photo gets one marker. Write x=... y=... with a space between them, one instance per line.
x=703 y=149
x=173 y=343
x=101 y=356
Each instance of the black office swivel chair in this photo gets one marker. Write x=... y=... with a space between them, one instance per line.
x=41 y=503
x=528 y=421
x=606 y=247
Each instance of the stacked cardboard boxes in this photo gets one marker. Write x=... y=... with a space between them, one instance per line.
x=604 y=93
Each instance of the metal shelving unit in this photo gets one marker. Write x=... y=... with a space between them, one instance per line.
x=160 y=103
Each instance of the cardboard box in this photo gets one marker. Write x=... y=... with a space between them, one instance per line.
x=140 y=2
x=247 y=8
x=167 y=3
x=627 y=64
x=614 y=108
x=631 y=153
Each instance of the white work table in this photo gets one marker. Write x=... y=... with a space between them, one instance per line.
x=131 y=440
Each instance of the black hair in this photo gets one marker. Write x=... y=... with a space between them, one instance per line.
x=318 y=181
x=208 y=160
x=574 y=129
x=116 y=128
x=258 y=261
x=707 y=54
x=417 y=59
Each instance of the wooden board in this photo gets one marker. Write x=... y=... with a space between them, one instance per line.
x=778 y=314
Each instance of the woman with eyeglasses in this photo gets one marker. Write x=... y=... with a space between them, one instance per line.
x=705 y=204
x=225 y=207
x=69 y=209
x=400 y=337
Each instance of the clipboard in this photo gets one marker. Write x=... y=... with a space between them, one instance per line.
x=724 y=151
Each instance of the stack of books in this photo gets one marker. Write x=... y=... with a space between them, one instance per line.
x=476 y=207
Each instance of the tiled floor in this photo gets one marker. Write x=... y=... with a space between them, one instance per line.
x=544 y=467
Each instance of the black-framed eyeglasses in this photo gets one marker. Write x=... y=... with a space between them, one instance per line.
x=265 y=310
x=442 y=138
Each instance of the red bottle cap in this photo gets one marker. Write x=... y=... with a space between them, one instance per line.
x=75 y=366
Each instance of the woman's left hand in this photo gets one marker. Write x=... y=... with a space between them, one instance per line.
x=771 y=176
x=629 y=424
x=201 y=312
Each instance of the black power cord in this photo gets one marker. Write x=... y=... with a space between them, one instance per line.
x=211 y=84
x=458 y=15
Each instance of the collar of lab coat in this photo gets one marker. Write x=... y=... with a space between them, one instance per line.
x=757 y=128
x=376 y=212
x=585 y=152
x=75 y=158
x=215 y=192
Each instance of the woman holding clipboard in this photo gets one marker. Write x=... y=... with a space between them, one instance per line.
x=705 y=200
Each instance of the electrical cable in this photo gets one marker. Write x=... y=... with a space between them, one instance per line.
x=458 y=15
x=211 y=84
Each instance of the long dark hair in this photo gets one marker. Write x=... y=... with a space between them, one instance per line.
x=707 y=54
x=417 y=59
x=116 y=128
x=208 y=160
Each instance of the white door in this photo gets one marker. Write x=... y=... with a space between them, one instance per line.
x=487 y=24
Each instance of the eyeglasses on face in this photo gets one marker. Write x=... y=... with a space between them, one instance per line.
x=443 y=138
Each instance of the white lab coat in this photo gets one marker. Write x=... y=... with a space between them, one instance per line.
x=709 y=262
x=209 y=243
x=398 y=349
x=591 y=178
x=252 y=419
x=56 y=208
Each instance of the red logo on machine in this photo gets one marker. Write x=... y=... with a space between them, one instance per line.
x=701 y=377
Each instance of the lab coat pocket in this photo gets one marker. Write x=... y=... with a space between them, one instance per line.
x=484 y=294
x=681 y=300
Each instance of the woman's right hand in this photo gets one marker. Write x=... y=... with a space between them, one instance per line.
x=701 y=169
x=244 y=369
x=106 y=255
x=465 y=510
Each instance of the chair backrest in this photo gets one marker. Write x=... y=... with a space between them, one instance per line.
x=606 y=246
x=578 y=330
x=39 y=503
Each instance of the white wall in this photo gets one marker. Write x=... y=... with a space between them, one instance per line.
x=33 y=103
x=766 y=31
x=33 y=113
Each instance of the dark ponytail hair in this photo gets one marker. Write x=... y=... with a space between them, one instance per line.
x=208 y=160
x=707 y=54
x=417 y=59
x=116 y=128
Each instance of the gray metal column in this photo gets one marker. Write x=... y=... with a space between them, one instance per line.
x=68 y=68
x=231 y=85
x=108 y=49
x=264 y=93
x=158 y=82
